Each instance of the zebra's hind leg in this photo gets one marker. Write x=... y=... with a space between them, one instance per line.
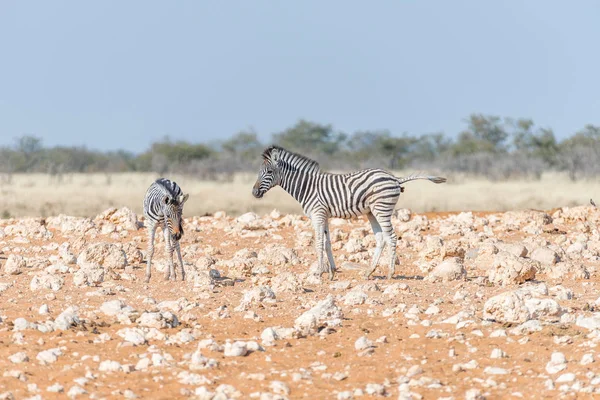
x=170 y=271
x=151 y=234
x=319 y=223
x=385 y=220
x=379 y=247
x=181 y=270
x=329 y=253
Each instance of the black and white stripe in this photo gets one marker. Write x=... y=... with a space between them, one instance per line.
x=163 y=206
x=370 y=192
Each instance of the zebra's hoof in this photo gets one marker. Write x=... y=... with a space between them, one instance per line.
x=147 y=279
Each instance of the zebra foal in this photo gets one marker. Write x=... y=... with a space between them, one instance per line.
x=163 y=206
x=370 y=192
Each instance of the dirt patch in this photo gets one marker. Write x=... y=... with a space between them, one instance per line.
x=409 y=337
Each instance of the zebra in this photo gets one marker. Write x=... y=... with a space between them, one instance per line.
x=163 y=206
x=322 y=195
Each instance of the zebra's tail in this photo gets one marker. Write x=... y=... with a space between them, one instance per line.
x=434 y=179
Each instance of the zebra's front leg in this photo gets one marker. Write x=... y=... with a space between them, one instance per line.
x=151 y=234
x=181 y=270
x=319 y=225
x=329 y=253
x=170 y=272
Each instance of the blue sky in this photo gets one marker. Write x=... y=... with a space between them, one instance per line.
x=120 y=74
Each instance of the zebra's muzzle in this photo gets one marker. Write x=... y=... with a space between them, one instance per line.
x=176 y=236
x=257 y=193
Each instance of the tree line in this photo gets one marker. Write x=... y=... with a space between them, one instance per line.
x=491 y=146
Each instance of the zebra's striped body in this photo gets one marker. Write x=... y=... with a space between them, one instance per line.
x=370 y=192
x=163 y=206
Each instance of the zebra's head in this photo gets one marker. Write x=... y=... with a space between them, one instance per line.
x=268 y=175
x=173 y=210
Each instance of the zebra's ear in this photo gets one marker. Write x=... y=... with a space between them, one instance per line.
x=183 y=198
x=275 y=155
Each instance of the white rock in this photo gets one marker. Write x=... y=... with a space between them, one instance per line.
x=568 y=377
x=543 y=308
x=495 y=371
x=143 y=364
x=498 y=353
x=76 y=391
x=375 y=389
x=158 y=320
x=533 y=325
x=67 y=319
x=545 y=256
x=256 y=295
x=44 y=310
x=506 y=307
x=15 y=264
x=48 y=356
x=508 y=269
x=91 y=275
x=134 y=336
x=18 y=358
x=363 y=343
x=561 y=292
x=56 y=388
x=21 y=324
x=557 y=363
x=587 y=359
x=474 y=394
x=279 y=387
x=448 y=270
x=591 y=323
x=235 y=349
x=107 y=255
x=355 y=297
x=272 y=334
x=326 y=312
x=109 y=366
x=46 y=281
x=286 y=282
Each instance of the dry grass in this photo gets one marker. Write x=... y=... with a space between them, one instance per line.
x=89 y=194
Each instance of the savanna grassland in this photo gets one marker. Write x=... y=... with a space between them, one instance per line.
x=90 y=194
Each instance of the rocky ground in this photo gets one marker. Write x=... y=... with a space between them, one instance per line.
x=483 y=306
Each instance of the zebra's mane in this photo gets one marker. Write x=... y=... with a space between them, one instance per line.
x=292 y=159
x=169 y=188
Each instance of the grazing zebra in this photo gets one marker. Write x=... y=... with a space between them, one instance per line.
x=163 y=206
x=322 y=195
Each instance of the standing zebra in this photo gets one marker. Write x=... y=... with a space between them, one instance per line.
x=322 y=195
x=163 y=206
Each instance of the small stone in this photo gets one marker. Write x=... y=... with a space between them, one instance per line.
x=236 y=349
x=19 y=357
x=76 y=391
x=56 y=388
x=362 y=343
x=498 y=353
x=279 y=387
x=568 y=377
x=109 y=366
x=587 y=359
x=495 y=371
x=48 y=356
x=557 y=363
